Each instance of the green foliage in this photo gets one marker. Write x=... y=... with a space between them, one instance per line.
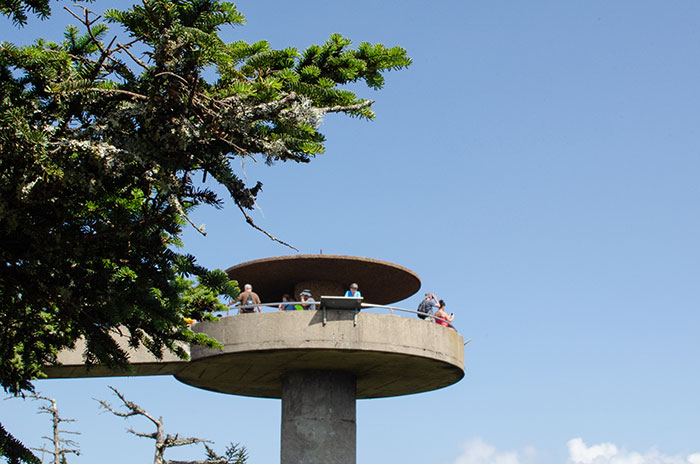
x=17 y=10
x=14 y=451
x=234 y=454
x=100 y=152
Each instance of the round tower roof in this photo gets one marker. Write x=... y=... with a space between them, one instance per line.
x=380 y=282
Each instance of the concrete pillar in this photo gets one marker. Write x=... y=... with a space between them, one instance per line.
x=318 y=418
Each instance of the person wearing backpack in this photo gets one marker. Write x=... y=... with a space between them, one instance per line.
x=425 y=308
x=249 y=299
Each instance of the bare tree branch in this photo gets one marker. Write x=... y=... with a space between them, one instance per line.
x=252 y=224
x=118 y=91
x=125 y=48
x=182 y=213
x=172 y=441
x=59 y=451
x=203 y=461
x=163 y=441
x=144 y=435
x=134 y=409
x=168 y=73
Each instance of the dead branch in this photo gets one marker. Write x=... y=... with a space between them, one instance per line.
x=203 y=461
x=182 y=213
x=59 y=450
x=125 y=48
x=252 y=224
x=134 y=409
x=171 y=74
x=119 y=91
x=162 y=440
x=172 y=441
x=144 y=435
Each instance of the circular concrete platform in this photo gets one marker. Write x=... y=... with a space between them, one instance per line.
x=380 y=282
x=390 y=355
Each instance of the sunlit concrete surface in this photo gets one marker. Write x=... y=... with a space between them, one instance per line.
x=142 y=362
x=389 y=355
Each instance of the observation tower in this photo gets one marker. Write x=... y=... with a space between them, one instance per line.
x=317 y=362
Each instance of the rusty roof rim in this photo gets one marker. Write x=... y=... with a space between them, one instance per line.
x=322 y=257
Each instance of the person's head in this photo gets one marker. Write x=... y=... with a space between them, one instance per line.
x=442 y=304
x=428 y=295
x=248 y=288
x=286 y=297
x=305 y=294
x=353 y=288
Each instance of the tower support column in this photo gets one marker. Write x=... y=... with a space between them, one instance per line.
x=318 y=418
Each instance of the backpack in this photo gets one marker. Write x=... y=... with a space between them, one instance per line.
x=423 y=308
x=249 y=302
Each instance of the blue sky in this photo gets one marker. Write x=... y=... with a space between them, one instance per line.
x=537 y=166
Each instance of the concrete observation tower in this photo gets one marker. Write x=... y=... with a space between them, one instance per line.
x=317 y=362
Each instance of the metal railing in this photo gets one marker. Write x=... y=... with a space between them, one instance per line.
x=269 y=307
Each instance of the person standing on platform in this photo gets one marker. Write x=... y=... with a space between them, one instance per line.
x=425 y=309
x=307 y=301
x=249 y=299
x=353 y=292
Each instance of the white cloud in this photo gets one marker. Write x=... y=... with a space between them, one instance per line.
x=608 y=453
x=477 y=451
x=580 y=453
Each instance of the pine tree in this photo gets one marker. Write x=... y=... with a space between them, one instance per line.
x=102 y=156
x=100 y=152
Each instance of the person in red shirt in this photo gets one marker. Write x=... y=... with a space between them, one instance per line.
x=442 y=314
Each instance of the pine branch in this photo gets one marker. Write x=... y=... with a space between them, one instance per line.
x=348 y=108
x=264 y=110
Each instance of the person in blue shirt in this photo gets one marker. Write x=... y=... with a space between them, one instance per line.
x=284 y=306
x=431 y=302
x=353 y=292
